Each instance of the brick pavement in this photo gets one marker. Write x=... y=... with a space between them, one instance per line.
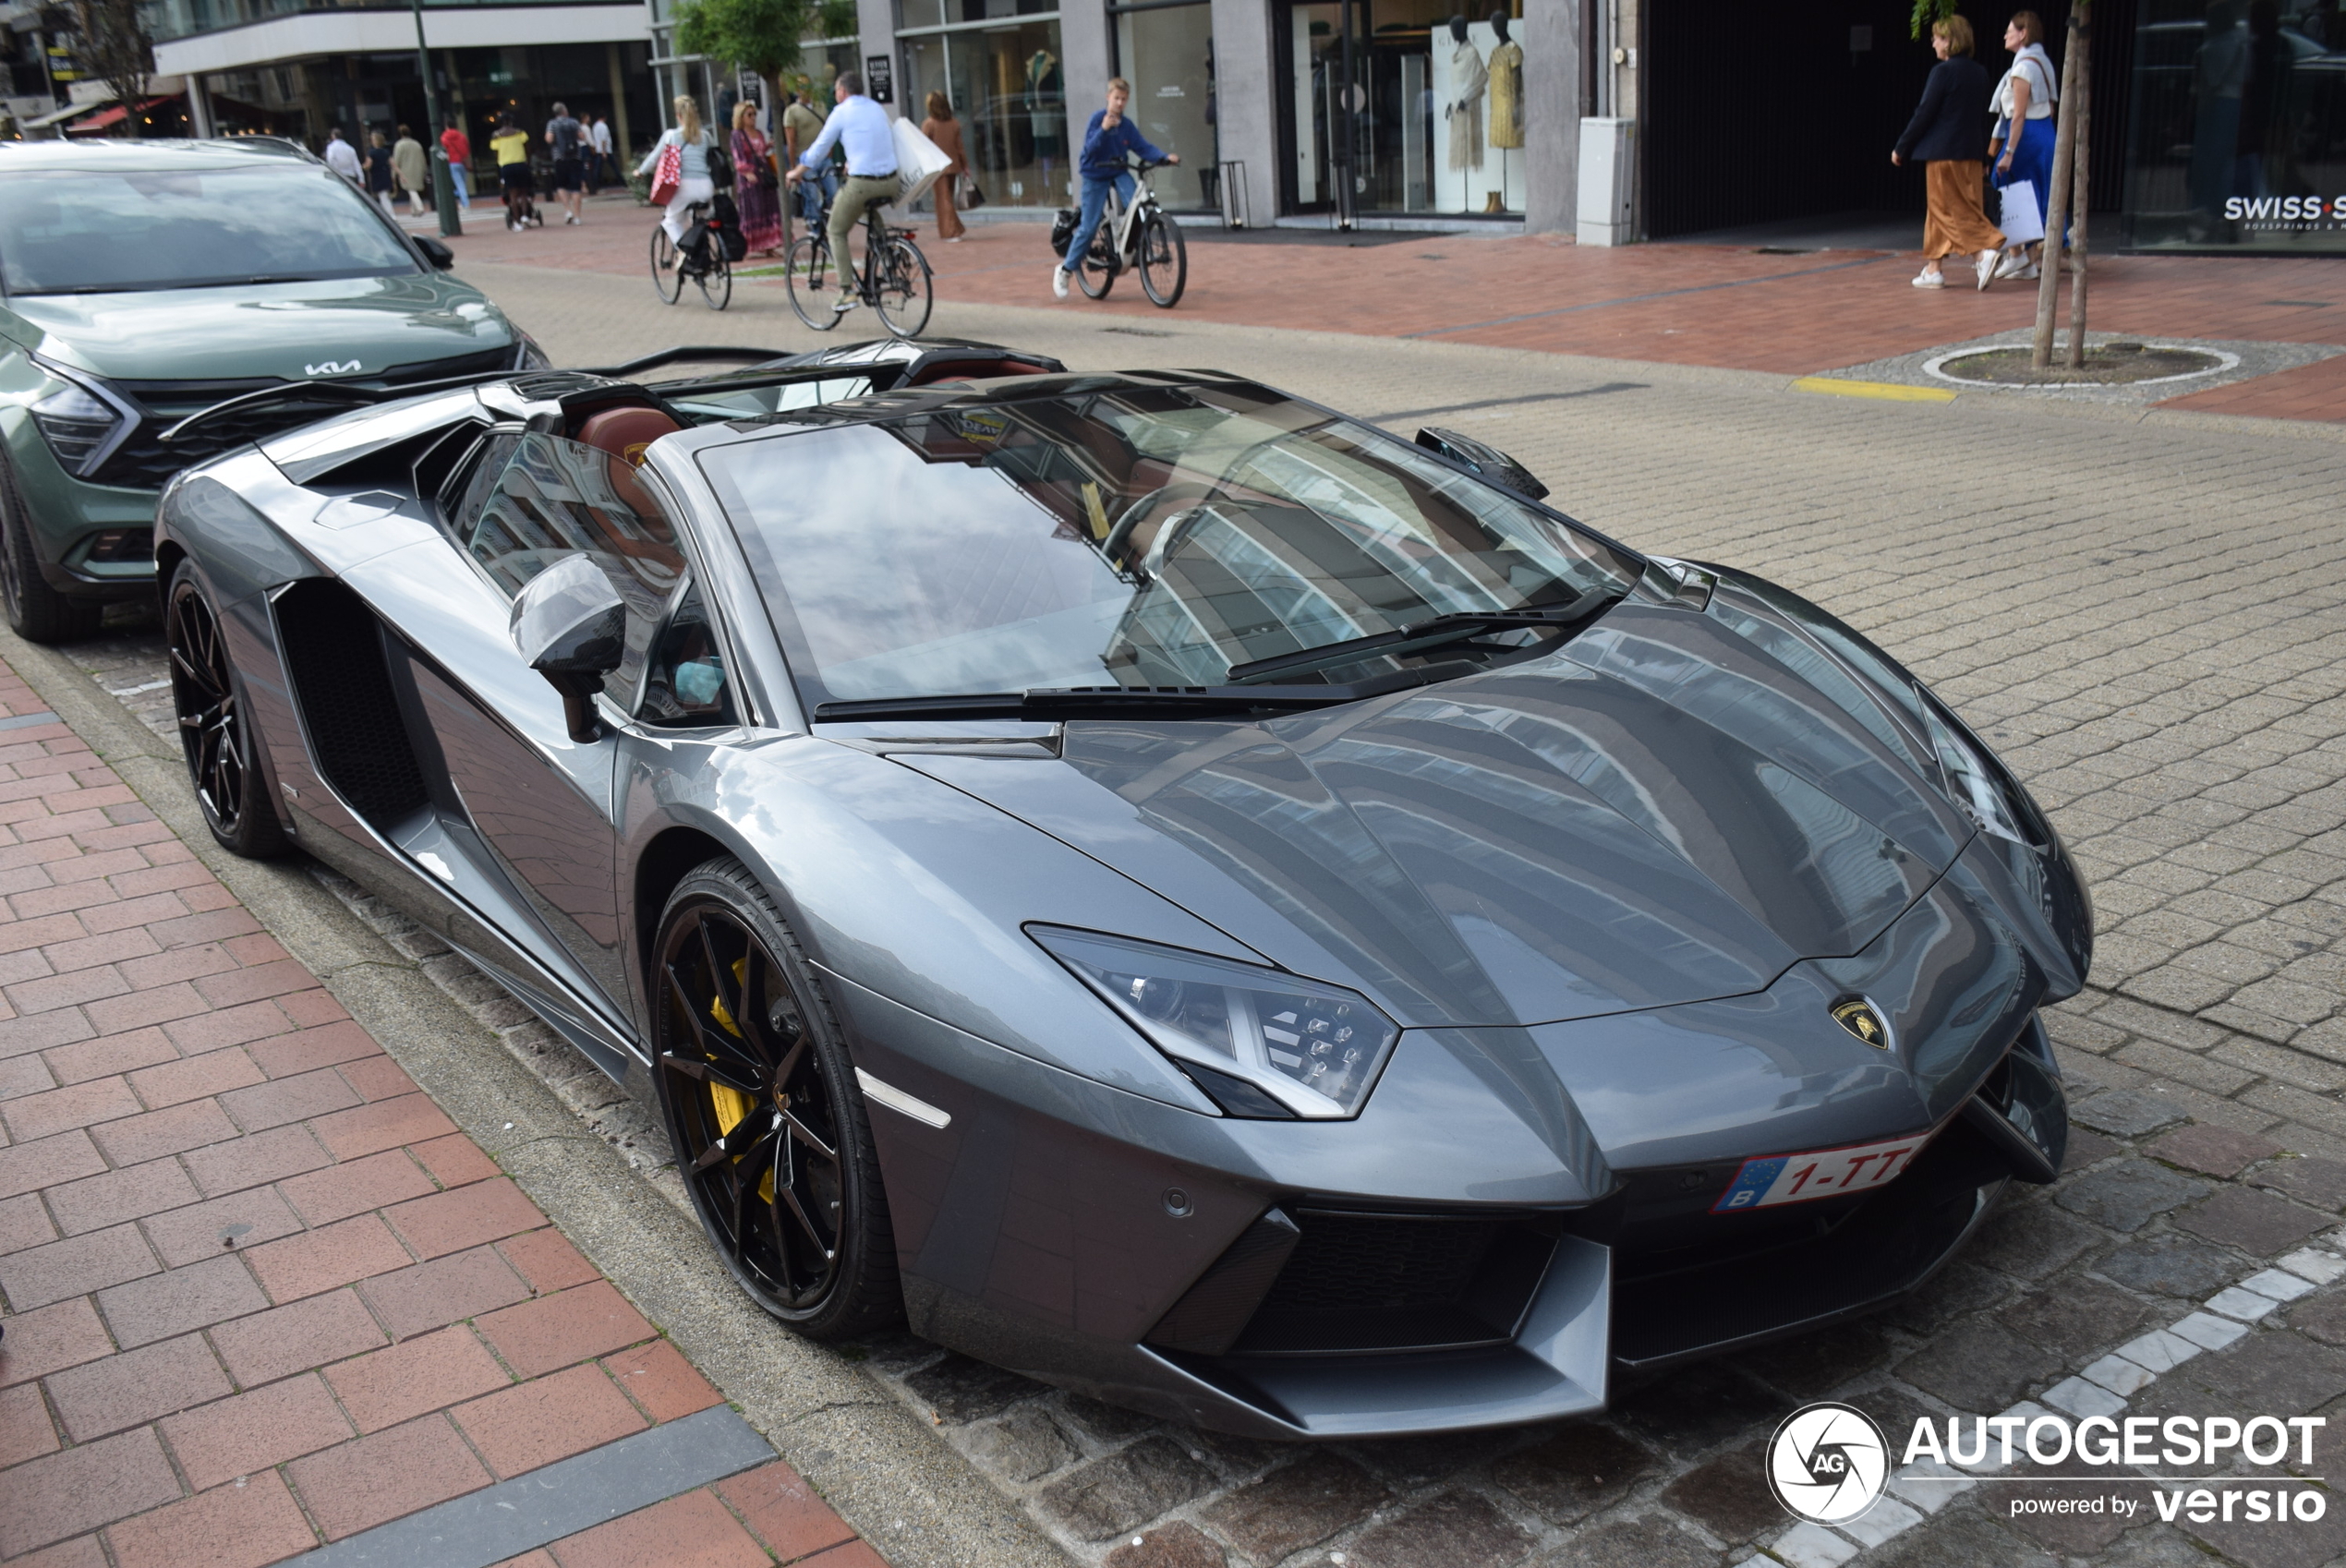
x=260 y=1291
x=1676 y=304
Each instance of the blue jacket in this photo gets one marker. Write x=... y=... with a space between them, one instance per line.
x=1105 y=150
x=1951 y=123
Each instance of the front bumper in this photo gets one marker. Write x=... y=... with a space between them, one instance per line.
x=92 y=541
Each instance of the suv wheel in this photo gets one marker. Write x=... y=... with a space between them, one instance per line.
x=37 y=611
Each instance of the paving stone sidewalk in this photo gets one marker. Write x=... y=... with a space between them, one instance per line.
x=259 y=1292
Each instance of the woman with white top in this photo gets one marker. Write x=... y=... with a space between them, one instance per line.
x=2022 y=148
x=698 y=147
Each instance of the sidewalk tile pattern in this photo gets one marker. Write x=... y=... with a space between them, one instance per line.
x=260 y=1292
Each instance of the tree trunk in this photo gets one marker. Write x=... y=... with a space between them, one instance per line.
x=2080 y=70
x=2057 y=207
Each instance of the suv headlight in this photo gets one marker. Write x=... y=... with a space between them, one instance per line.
x=81 y=427
x=1260 y=1042
x=527 y=356
x=1977 y=782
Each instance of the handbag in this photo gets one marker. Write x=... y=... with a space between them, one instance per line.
x=667 y=175
x=720 y=169
x=2016 y=214
x=970 y=195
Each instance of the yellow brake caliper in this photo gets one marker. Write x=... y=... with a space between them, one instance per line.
x=730 y=1104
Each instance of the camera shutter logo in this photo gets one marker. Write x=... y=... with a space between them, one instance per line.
x=1828 y=1463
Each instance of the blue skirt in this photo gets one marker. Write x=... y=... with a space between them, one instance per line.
x=2032 y=160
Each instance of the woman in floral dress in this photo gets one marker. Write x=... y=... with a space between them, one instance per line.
x=756 y=185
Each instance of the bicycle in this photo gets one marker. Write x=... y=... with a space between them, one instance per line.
x=1142 y=237
x=897 y=287
x=704 y=263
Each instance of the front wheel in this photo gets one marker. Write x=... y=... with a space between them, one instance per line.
x=213 y=728
x=1097 y=275
x=668 y=268
x=904 y=299
x=804 y=274
x=36 y=611
x=766 y=1115
x=1165 y=261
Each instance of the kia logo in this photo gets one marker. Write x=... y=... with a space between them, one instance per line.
x=331 y=368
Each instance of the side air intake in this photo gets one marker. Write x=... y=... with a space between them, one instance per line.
x=334 y=647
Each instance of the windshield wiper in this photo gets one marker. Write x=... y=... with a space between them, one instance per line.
x=1132 y=702
x=1436 y=632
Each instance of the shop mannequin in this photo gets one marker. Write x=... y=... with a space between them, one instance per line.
x=1506 y=86
x=1469 y=80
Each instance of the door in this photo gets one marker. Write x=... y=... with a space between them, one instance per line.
x=1325 y=129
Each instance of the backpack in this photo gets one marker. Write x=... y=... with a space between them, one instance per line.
x=725 y=221
x=1063 y=231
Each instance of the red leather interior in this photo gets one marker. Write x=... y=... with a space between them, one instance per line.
x=973 y=370
x=625 y=432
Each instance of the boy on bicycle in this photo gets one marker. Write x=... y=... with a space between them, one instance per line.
x=1108 y=143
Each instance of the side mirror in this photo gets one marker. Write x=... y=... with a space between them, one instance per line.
x=438 y=255
x=571 y=626
x=1488 y=461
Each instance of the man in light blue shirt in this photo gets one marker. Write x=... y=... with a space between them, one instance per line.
x=862 y=129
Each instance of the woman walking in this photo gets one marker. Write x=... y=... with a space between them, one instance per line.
x=378 y=172
x=2023 y=145
x=1949 y=133
x=756 y=187
x=696 y=146
x=946 y=131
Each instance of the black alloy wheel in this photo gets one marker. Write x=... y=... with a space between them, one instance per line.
x=763 y=1109
x=36 y=611
x=1165 y=260
x=213 y=731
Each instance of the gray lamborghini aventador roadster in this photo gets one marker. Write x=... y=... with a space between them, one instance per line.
x=1157 y=884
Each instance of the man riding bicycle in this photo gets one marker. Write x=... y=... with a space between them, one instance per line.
x=1108 y=143
x=861 y=126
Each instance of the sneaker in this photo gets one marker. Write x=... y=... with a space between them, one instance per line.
x=1930 y=280
x=572 y=219
x=1987 y=266
x=1058 y=281
x=2027 y=275
x=843 y=304
x=2014 y=261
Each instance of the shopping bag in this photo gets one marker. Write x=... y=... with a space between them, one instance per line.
x=971 y=196
x=2018 y=217
x=667 y=175
x=918 y=161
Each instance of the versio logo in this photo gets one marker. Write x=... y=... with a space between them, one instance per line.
x=1827 y=1463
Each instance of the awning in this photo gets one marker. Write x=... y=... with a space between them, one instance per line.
x=45 y=121
x=110 y=116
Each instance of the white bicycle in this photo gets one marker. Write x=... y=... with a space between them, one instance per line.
x=1142 y=237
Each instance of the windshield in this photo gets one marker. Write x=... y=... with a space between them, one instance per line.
x=79 y=230
x=1145 y=536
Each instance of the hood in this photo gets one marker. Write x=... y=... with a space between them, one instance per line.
x=346 y=328
x=1663 y=813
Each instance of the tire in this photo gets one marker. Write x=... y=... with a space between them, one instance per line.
x=736 y=1012
x=904 y=288
x=716 y=280
x=805 y=274
x=36 y=611
x=668 y=268
x=216 y=733
x=1097 y=275
x=1165 y=261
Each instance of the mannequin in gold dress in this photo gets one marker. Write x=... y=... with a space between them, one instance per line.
x=1505 y=68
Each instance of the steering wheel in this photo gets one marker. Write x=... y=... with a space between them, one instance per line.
x=1120 y=535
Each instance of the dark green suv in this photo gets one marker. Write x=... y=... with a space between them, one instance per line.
x=141 y=281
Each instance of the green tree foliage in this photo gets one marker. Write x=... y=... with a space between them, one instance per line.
x=761 y=34
x=1926 y=12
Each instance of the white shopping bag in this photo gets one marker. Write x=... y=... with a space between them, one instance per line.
x=918 y=161
x=2018 y=217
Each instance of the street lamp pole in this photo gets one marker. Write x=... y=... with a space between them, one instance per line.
x=443 y=186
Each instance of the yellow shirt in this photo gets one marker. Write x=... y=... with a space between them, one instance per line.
x=513 y=147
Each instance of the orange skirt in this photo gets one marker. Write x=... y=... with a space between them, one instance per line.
x=1954 y=223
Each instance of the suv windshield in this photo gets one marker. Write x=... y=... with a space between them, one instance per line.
x=1145 y=536
x=78 y=231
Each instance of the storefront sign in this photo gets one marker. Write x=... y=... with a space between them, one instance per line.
x=880 y=79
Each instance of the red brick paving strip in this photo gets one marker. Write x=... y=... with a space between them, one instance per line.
x=261 y=1292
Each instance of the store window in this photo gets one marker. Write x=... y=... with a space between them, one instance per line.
x=2237 y=138
x=1167 y=52
x=1002 y=70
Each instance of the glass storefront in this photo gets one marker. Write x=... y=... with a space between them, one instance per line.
x=1002 y=70
x=2238 y=133
x=1167 y=52
x=1386 y=109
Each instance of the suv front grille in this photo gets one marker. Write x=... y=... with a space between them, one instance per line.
x=144 y=461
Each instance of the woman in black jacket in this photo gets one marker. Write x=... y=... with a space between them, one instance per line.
x=1949 y=133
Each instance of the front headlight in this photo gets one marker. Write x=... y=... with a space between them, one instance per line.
x=80 y=426
x=527 y=356
x=1975 y=782
x=1261 y=1043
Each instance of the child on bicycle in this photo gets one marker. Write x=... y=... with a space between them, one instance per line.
x=1108 y=143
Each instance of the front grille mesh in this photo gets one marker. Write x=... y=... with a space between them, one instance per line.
x=1351 y=1262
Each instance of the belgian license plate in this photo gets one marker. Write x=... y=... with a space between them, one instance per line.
x=1832 y=1173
